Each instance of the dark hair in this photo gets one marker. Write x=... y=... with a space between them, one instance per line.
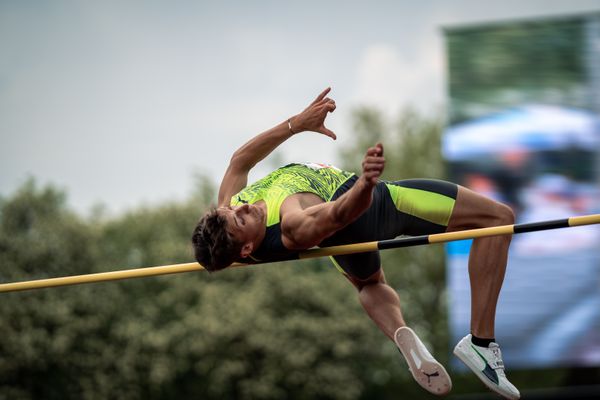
x=214 y=248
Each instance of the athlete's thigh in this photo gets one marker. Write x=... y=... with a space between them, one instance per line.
x=474 y=210
x=421 y=206
x=359 y=266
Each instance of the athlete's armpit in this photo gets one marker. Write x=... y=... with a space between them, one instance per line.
x=303 y=229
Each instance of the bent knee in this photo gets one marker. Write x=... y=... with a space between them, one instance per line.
x=496 y=214
x=473 y=210
x=504 y=214
x=359 y=284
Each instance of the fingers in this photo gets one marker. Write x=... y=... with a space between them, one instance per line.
x=327 y=132
x=321 y=96
x=313 y=117
x=327 y=105
x=374 y=163
x=376 y=150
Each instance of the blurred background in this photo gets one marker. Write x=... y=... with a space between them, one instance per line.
x=524 y=128
x=117 y=120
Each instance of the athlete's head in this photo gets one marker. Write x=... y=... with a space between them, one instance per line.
x=225 y=234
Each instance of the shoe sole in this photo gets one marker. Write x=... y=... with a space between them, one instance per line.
x=429 y=374
x=458 y=352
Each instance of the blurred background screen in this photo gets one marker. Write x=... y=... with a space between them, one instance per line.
x=524 y=129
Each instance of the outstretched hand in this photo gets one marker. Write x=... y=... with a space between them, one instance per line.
x=373 y=164
x=313 y=116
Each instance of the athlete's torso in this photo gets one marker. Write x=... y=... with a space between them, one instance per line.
x=320 y=180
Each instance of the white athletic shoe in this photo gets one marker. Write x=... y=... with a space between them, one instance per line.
x=428 y=373
x=487 y=364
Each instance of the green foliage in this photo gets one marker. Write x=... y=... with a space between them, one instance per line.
x=39 y=237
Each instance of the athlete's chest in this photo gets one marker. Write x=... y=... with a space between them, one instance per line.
x=299 y=201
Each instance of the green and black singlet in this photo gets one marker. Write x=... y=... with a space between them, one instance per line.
x=408 y=207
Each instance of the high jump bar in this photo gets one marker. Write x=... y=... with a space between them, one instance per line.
x=312 y=253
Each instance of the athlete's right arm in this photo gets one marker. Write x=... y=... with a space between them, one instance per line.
x=247 y=156
x=305 y=228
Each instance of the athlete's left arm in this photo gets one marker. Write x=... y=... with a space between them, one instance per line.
x=246 y=157
x=305 y=228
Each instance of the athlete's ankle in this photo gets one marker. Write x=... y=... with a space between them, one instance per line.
x=481 y=342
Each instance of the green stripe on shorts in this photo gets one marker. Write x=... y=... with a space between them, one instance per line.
x=335 y=263
x=430 y=206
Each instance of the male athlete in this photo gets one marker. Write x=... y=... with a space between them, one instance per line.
x=304 y=205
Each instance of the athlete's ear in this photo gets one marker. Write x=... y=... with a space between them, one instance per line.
x=246 y=249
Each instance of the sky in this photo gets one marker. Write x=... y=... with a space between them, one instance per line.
x=122 y=103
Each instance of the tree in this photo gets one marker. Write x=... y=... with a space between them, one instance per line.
x=39 y=237
x=261 y=332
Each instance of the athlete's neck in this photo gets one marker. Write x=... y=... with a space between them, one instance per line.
x=261 y=235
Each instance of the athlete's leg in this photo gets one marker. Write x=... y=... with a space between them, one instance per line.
x=488 y=256
x=380 y=301
x=487 y=265
x=382 y=304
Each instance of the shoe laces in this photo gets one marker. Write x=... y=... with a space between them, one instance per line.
x=497 y=362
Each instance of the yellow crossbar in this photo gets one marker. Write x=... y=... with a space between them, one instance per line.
x=311 y=253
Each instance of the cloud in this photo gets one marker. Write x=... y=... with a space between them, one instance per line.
x=390 y=81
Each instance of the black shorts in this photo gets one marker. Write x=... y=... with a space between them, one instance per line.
x=408 y=207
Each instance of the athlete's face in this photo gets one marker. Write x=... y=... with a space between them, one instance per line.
x=245 y=223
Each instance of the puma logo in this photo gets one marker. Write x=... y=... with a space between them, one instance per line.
x=488 y=371
x=436 y=373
